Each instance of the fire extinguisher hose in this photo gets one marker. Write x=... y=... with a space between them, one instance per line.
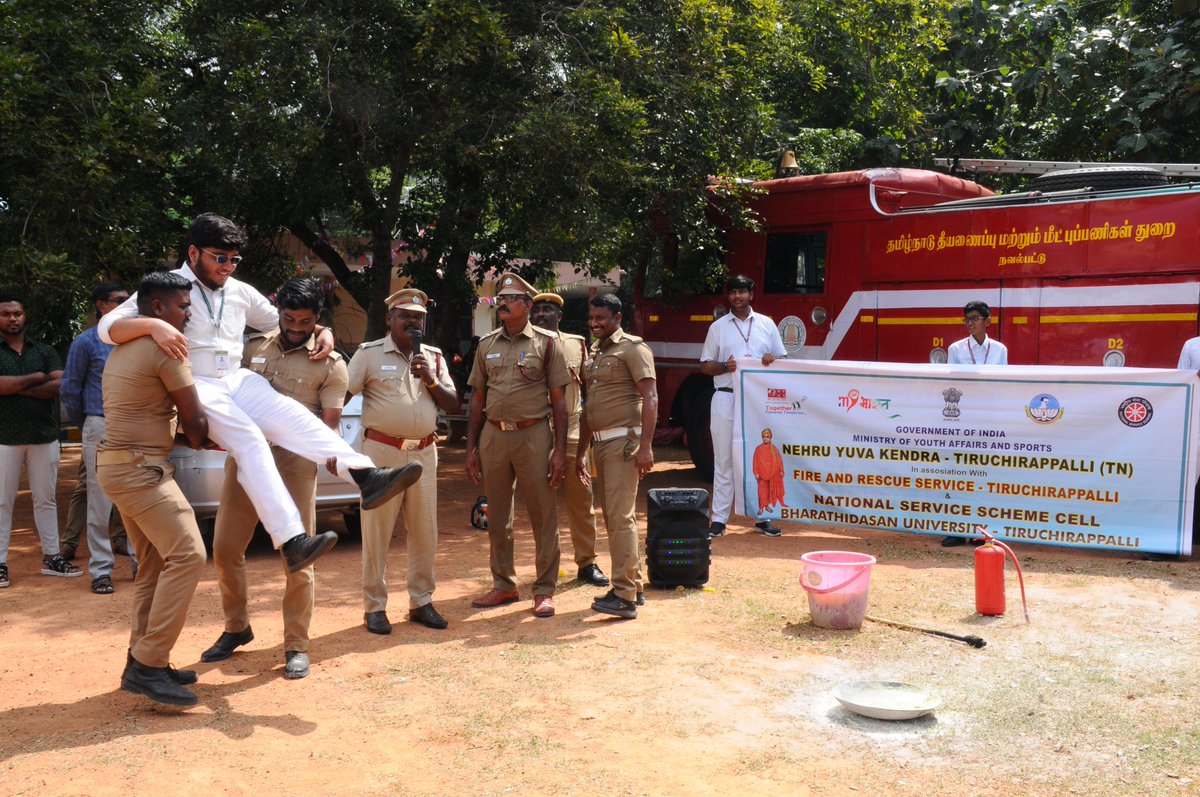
x=1009 y=552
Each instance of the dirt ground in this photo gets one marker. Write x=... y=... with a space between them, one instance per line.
x=725 y=690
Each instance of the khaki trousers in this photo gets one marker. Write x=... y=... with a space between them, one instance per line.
x=581 y=517
x=616 y=468
x=418 y=504
x=170 y=554
x=521 y=459
x=236 y=520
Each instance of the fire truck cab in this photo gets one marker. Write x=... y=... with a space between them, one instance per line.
x=1100 y=266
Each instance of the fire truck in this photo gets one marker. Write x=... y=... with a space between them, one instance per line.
x=1094 y=265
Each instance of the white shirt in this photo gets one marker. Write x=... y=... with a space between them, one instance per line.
x=236 y=305
x=730 y=336
x=1189 y=358
x=968 y=352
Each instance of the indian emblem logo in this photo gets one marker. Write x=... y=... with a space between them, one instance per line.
x=1044 y=408
x=951 y=396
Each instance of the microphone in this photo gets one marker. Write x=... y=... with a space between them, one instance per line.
x=416 y=341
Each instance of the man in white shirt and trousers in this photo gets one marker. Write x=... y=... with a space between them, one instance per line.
x=740 y=333
x=245 y=413
x=975 y=349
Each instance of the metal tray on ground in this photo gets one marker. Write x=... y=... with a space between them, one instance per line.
x=886 y=700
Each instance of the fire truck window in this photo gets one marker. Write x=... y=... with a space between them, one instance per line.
x=795 y=263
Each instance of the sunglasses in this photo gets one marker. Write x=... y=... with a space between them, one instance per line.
x=223 y=259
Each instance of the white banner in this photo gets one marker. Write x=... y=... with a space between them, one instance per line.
x=1074 y=456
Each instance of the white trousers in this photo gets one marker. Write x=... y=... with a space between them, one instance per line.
x=245 y=415
x=41 y=461
x=99 y=507
x=720 y=423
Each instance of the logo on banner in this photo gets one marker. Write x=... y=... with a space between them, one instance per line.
x=779 y=403
x=1135 y=412
x=854 y=398
x=794 y=334
x=951 y=396
x=1044 y=408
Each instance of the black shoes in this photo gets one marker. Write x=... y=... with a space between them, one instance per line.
x=591 y=574
x=181 y=677
x=57 y=566
x=716 y=529
x=611 y=603
x=768 y=528
x=226 y=643
x=954 y=542
x=155 y=683
x=377 y=622
x=302 y=550
x=427 y=616
x=380 y=485
x=295 y=664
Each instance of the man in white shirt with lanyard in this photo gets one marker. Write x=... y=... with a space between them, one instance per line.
x=244 y=411
x=977 y=348
x=740 y=333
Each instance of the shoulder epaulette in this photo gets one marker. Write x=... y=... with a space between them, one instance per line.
x=371 y=343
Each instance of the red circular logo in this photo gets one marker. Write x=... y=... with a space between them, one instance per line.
x=1135 y=412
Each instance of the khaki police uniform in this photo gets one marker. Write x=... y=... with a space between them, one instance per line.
x=577 y=496
x=614 y=415
x=134 y=471
x=317 y=384
x=400 y=425
x=516 y=443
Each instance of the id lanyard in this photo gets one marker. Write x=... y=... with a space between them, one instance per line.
x=986 y=351
x=216 y=320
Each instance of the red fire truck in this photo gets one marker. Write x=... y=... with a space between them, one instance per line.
x=1094 y=266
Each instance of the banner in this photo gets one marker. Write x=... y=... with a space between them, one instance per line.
x=1085 y=457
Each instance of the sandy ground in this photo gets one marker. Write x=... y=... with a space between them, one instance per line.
x=725 y=690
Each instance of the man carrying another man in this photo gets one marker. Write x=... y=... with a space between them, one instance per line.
x=245 y=414
x=282 y=358
x=142 y=390
x=403 y=383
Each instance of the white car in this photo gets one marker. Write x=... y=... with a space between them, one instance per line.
x=201 y=474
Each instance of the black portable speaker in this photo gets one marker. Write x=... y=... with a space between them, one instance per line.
x=678 y=548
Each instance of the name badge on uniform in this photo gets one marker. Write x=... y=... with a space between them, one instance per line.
x=493 y=356
x=221 y=362
x=258 y=360
x=387 y=368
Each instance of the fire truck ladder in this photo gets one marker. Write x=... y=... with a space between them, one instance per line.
x=989 y=166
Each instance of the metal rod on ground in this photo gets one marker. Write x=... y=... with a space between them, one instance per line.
x=973 y=641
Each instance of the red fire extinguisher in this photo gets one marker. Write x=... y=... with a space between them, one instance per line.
x=989 y=576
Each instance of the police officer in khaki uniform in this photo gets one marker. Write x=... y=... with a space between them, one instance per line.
x=143 y=386
x=283 y=358
x=618 y=423
x=403 y=383
x=519 y=377
x=547 y=313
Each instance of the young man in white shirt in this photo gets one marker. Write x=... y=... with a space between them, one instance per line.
x=977 y=348
x=245 y=413
x=740 y=333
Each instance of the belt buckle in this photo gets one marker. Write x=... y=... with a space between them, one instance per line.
x=508 y=426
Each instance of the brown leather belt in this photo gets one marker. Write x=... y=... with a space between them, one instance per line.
x=404 y=444
x=512 y=426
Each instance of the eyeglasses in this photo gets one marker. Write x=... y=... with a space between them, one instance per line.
x=971 y=319
x=223 y=259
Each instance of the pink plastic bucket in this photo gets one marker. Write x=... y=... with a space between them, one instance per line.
x=837 y=583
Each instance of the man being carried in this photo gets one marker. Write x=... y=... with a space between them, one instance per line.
x=281 y=356
x=245 y=414
x=142 y=389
